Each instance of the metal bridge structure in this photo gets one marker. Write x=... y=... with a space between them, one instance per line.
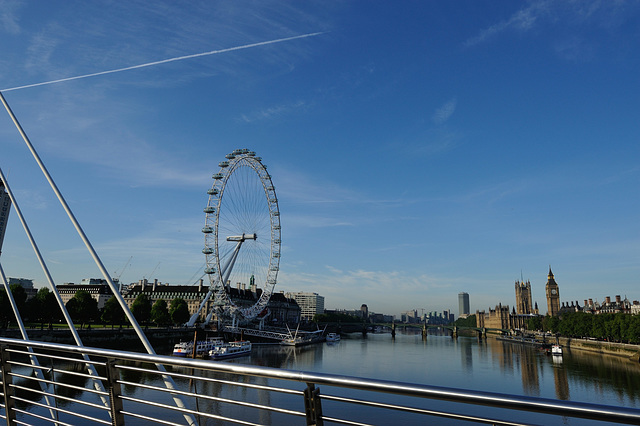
x=58 y=391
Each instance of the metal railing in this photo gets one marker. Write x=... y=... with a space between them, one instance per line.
x=229 y=393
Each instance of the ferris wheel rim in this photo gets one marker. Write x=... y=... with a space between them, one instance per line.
x=238 y=160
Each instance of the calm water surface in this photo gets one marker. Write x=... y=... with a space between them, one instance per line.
x=464 y=363
x=468 y=363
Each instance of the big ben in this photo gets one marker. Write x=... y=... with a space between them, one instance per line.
x=553 y=295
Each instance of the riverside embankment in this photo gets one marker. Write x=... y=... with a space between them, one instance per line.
x=106 y=337
x=609 y=348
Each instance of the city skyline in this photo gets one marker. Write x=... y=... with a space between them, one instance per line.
x=418 y=150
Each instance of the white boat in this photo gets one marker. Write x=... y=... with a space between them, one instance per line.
x=333 y=337
x=230 y=350
x=185 y=349
x=556 y=350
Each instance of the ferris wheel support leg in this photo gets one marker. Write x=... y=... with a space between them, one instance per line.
x=226 y=271
x=194 y=317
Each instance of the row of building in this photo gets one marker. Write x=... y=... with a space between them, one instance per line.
x=433 y=317
x=283 y=307
x=504 y=318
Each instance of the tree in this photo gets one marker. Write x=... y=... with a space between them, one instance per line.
x=44 y=307
x=19 y=296
x=82 y=307
x=179 y=311
x=337 y=317
x=469 y=321
x=6 y=314
x=141 y=308
x=550 y=323
x=112 y=312
x=534 y=323
x=160 y=313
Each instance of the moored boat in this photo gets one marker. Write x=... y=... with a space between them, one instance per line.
x=230 y=350
x=556 y=350
x=333 y=337
x=185 y=349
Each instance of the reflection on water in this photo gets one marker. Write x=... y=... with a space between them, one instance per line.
x=464 y=363
x=483 y=364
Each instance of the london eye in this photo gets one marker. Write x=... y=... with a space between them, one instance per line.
x=241 y=239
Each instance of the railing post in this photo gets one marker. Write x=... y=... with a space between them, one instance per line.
x=7 y=389
x=313 y=406
x=117 y=418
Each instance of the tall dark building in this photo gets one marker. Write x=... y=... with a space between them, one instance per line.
x=553 y=295
x=463 y=304
x=364 y=310
x=5 y=206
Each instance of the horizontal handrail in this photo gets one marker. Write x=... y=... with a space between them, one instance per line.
x=495 y=400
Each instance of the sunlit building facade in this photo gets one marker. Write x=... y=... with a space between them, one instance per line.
x=310 y=304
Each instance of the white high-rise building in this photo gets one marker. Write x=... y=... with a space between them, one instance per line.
x=5 y=206
x=310 y=304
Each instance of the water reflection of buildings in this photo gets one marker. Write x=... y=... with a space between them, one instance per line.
x=513 y=355
x=466 y=354
x=590 y=371
x=560 y=379
x=529 y=370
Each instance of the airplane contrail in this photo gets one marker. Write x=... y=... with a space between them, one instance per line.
x=164 y=61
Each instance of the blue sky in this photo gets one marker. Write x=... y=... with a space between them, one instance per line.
x=418 y=148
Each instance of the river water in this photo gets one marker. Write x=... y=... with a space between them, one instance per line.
x=467 y=363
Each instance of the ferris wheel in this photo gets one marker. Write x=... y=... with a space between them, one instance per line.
x=242 y=238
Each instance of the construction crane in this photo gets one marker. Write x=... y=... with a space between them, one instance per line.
x=154 y=269
x=117 y=277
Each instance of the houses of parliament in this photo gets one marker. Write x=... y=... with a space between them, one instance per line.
x=504 y=318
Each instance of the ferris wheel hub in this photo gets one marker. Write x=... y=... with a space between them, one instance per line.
x=243 y=237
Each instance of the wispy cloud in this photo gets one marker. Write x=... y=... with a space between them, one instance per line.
x=522 y=20
x=8 y=19
x=443 y=113
x=568 y=16
x=272 y=112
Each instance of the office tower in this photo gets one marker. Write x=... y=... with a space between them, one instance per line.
x=463 y=304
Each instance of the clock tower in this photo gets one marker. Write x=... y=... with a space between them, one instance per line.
x=553 y=295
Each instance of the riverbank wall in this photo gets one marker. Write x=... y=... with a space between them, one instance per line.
x=108 y=338
x=609 y=348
